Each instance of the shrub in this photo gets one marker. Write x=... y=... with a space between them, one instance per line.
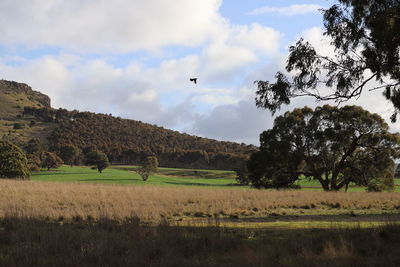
x=18 y=126
x=13 y=162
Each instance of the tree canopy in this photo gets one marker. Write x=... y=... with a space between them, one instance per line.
x=150 y=165
x=98 y=159
x=335 y=146
x=13 y=162
x=51 y=160
x=365 y=35
x=69 y=153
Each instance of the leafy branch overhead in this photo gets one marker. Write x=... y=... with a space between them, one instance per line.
x=365 y=35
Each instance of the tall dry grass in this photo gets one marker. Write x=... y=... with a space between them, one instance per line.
x=30 y=242
x=30 y=199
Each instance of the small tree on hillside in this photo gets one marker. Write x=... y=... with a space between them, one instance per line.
x=98 y=159
x=13 y=162
x=149 y=166
x=50 y=160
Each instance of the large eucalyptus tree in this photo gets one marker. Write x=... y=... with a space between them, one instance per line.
x=335 y=146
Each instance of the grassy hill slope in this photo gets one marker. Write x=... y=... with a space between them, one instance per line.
x=13 y=126
x=26 y=114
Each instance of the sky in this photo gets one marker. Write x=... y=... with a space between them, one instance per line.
x=134 y=58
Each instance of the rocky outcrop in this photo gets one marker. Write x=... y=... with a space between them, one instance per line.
x=22 y=88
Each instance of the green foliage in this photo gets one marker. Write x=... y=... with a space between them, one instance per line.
x=128 y=141
x=34 y=162
x=149 y=166
x=13 y=162
x=98 y=159
x=335 y=146
x=69 y=154
x=365 y=35
x=242 y=174
x=51 y=160
x=18 y=126
x=126 y=175
x=34 y=146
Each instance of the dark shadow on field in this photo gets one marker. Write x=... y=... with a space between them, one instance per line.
x=107 y=179
x=197 y=174
x=351 y=217
x=109 y=242
x=201 y=184
x=189 y=173
x=58 y=173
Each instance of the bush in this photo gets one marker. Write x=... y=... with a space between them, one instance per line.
x=18 y=126
x=98 y=159
x=13 y=162
x=149 y=165
x=50 y=160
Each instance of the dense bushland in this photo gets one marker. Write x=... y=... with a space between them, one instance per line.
x=129 y=142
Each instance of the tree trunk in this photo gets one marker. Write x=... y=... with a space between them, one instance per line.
x=324 y=183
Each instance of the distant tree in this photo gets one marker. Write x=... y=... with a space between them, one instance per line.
x=34 y=162
x=34 y=146
x=149 y=166
x=242 y=174
x=69 y=153
x=98 y=159
x=365 y=35
x=18 y=126
x=335 y=146
x=13 y=162
x=51 y=160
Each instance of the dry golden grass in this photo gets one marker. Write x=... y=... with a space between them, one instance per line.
x=29 y=199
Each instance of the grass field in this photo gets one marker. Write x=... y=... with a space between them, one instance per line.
x=30 y=242
x=102 y=222
x=125 y=175
x=180 y=204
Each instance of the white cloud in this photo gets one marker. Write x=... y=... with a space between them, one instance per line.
x=241 y=122
x=315 y=36
x=237 y=48
x=292 y=10
x=228 y=58
x=116 y=26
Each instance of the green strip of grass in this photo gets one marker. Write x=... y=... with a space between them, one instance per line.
x=125 y=175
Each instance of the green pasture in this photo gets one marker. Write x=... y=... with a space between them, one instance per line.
x=126 y=175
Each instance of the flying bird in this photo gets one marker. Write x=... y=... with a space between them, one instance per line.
x=193 y=80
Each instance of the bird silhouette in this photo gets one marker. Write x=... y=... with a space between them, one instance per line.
x=193 y=80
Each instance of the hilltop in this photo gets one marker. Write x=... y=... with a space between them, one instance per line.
x=14 y=97
x=27 y=114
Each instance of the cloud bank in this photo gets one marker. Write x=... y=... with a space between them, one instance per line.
x=293 y=10
x=81 y=44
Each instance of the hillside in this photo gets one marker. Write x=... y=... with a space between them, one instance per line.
x=26 y=114
x=13 y=98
